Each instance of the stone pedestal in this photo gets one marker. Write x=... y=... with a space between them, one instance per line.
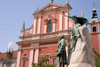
x=8 y=62
x=83 y=56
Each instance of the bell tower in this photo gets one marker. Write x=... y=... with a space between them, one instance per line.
x=95 y=31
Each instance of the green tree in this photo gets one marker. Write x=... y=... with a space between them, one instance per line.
x=97 y=60
x=43 y=62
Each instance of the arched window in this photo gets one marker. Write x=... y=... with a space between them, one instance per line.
x=94 y=29
x=49 y=29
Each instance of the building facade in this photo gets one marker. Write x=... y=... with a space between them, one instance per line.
x=95 y=31
x=42 y=39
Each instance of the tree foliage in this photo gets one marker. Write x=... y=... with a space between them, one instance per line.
x=97 y=60
x=43 y=63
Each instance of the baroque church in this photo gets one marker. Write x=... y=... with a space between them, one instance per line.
x=42 y=38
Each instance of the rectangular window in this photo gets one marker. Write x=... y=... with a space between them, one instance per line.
x=54 y=61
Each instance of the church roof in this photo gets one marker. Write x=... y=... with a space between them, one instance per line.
x=3 y=55
x=94 y=19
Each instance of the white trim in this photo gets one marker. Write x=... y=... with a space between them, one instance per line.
x=39 y=25
x=54 y=27
x=36 y=55
x=34 y=30
x=31 y=58
x=66 y=21
x=18 y=58
x=45 y=26
x=48 y=45
x=60 y=21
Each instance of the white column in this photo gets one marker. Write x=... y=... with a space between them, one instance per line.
x=60 y=21
x=31 y=57
x=36 y=55
x=45 y=26
x=18 y=58
x=39 y=25
x=54 y=26
x=66 y=21
x=34 y=30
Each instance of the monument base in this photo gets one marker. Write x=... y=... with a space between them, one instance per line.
x=80 y=65
x=83 y=55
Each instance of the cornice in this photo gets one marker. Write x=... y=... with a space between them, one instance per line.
x=48 y=33
x=42 y=40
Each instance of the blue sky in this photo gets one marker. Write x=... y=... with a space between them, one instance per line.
x=14 y=12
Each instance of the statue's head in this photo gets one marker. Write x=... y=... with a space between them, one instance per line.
x=62 y=36
x=78 y=20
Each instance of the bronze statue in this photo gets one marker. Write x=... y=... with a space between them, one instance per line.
x=62 y=58
x=79 y=21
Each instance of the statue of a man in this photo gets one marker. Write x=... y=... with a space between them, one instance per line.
x=62 y=58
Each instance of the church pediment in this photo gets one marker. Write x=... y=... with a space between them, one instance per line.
x=51 y=6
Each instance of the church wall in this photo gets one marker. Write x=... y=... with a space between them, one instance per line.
x=25 y=56
x=57 y=22
x=95 y=42
x=95 y=36
x=48 y=52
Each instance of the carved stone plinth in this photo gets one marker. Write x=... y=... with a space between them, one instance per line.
x=83 y=55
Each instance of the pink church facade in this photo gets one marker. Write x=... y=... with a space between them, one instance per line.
x=42 y=38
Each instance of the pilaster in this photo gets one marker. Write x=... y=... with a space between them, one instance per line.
x=60 y=21
x=66 y=21
x=18 y=56
x=45 y=25
x=34 y=30
x=39 y=24
x=54 y=25
x=31 y=56
x=36 y=55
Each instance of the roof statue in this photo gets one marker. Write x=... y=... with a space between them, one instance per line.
x=82 y=14
x=23 y=27
x=9 y=56
x=67 y=2
x=36 y=8
x=10 y=47
x=51 y=1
